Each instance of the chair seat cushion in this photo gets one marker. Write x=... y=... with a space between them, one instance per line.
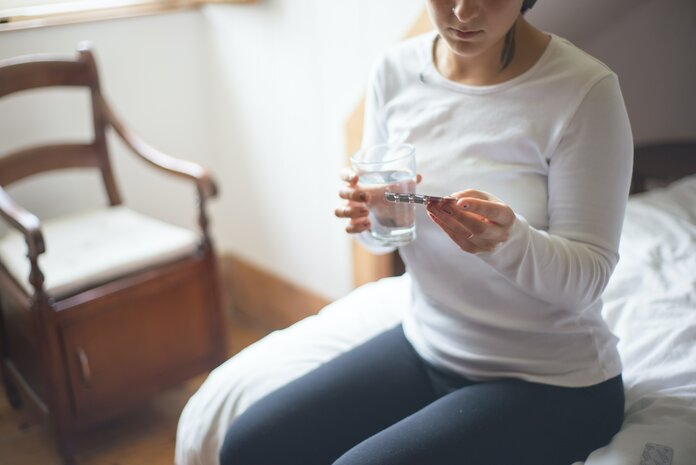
x=94 y=246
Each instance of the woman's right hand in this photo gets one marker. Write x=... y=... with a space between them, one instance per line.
x=355 y=207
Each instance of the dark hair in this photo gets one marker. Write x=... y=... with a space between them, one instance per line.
x=508 y=52
x=527 y=4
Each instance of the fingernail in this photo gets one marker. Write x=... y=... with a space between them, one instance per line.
x=363 y=196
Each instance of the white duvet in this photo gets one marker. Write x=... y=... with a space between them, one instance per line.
x=650 y=304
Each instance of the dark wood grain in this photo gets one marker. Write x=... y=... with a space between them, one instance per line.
x=662 y=162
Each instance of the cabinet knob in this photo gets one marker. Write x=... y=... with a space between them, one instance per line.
x=84 y=365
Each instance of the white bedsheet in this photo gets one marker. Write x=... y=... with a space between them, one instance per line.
x=650 y=304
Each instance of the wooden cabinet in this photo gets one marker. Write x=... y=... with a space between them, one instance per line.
x=113 y=347
x=138 y=342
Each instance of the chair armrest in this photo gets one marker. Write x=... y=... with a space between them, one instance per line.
x=30 y=227
x=27 y=223
x=204 y=183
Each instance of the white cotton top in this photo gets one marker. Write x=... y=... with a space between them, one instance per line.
x=555 y=144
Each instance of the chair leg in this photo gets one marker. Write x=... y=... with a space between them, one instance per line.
x=11 y=391
x=66 y=448
x=63 y=426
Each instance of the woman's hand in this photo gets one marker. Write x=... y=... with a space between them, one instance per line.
x=355 y=207
x=475 y=221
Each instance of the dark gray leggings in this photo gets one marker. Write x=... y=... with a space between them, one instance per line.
x=380 y=404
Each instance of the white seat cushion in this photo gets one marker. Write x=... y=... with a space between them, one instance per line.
x=95 y=246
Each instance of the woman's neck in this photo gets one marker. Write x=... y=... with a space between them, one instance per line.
x=485 y=69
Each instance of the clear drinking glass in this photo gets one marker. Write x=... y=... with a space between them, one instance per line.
x=388 y=168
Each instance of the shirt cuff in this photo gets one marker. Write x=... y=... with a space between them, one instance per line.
x=509 y=253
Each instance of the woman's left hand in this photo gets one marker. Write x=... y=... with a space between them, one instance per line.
x=475 y=221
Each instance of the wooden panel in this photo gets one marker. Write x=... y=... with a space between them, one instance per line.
x=19 y=352
x=139 y=342
x=143 y=436
x=661 y=162
x=368 y=267
x=51 y=14
x=271 y=301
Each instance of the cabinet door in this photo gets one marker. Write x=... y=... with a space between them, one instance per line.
x=139 y=341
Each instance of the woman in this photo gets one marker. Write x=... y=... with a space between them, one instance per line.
x=503 y=357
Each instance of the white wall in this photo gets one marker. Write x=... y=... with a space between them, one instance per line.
x=260 y=94
x=152 y=73
x=284 y=77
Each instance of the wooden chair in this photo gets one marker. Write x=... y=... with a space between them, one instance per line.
x=86 y=343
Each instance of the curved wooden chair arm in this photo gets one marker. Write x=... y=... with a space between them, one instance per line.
x=204 y=183
x=30 y=226
x=26 y=222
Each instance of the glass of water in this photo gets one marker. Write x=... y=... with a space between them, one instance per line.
x=388 y=168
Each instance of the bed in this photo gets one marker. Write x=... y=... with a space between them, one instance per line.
x=650 y=304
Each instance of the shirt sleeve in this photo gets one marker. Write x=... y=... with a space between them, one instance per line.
x=588 y=181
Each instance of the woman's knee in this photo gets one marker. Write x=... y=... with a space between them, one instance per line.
x=238 y=446
x=256 y=438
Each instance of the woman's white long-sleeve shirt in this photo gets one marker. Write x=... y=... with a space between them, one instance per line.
x=554 y=144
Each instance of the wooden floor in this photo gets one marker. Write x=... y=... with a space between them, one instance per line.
x=145 y=437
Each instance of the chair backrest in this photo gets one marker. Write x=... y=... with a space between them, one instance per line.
x=40 y=71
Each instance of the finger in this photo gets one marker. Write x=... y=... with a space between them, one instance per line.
x=462 y=240
x=349 y=176
x=472 y=223
x=351 y=211
x=353 y=194
x=355 y=227
x=419 y=178
x=466 y=240
x=473 y=193
x=451 y=223
x=485 y=205
x=494 y=212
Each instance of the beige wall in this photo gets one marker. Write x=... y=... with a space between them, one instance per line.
x=284 y=76
x=650 y=44
x=653 y=50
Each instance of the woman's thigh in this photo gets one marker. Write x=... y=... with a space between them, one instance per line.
x=316 y=418
x=500 y=423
